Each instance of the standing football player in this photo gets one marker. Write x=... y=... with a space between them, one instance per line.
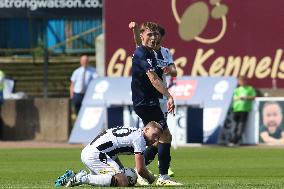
x=166 y=62
x=148 y=88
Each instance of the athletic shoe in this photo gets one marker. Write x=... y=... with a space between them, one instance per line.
x=62 y=180
x=170 y=172
x=167 y=181
x=76 y=180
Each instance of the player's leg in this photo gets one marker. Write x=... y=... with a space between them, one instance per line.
x=164 y=158
x=241 y=126
x=164 y=108
x=164 y=152
x=63 y=179
x=147 y=114
x=117 y=180
x=102 y=169
x=77 y=101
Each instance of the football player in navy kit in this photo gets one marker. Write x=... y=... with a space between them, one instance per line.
x=166 y=62
x=147 y=88
x=101 y=156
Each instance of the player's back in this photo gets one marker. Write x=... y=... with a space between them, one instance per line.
x=120 y=140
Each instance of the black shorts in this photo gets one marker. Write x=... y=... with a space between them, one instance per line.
x=151 y=113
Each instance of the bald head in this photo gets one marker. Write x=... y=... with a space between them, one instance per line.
x=272 y=114
x=84 y=60
x=152 y=132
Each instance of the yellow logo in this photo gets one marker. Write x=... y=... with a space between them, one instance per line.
x=195 y=18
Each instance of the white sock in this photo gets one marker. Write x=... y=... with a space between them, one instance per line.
x=97 y=180
x=164 y=176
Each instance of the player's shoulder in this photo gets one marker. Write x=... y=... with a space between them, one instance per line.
x=139 y=139
x=92 y=68
x=77 y=71
x=137 y=132
x=141 y=51
x=165 y=50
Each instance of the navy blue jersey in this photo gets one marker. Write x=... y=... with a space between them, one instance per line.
x=143 y=92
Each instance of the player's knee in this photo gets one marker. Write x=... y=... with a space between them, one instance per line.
x=119 y=180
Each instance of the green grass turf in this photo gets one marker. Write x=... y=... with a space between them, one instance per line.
x=205 y=167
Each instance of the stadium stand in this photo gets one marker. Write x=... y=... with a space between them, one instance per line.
x=29 y=75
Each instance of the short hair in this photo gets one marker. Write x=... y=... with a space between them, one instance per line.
x=148 y=25
x=161 y=30
x=155 y=125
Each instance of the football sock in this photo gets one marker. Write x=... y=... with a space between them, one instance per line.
x=164 y=176
x=164 y=157
x=97 y=180
x=149 y=154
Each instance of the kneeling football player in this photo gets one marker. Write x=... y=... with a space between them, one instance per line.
x=101 y=157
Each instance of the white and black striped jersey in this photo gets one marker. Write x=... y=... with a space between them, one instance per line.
x=164 y=58
x=120 y=140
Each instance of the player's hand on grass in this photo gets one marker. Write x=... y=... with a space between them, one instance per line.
x=152 y=179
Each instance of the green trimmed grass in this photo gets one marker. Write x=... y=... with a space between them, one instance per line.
x=205 y=167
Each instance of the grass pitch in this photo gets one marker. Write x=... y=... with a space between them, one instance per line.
x=196 y=167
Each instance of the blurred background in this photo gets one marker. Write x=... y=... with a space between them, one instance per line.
x=212 y=42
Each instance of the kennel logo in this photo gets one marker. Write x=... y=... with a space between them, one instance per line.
x=195 y=18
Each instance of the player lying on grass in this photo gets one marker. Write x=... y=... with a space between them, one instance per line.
x=101 y=157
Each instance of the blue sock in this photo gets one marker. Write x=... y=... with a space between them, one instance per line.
x=149 y=154
x=164 y=156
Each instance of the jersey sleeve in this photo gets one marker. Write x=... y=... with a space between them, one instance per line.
x=73 y=77
x=252 y=92
x=170 y=57
x=139 y=144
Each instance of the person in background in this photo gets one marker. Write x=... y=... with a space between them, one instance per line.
x=80 y=80
x=243 y=98
x=272 y=131
x=2 y=78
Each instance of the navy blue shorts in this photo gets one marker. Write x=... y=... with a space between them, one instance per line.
x=151 y=113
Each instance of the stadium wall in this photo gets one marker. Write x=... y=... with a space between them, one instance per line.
x=36 y=119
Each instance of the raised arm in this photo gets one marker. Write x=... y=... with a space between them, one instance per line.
x=136 y=33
